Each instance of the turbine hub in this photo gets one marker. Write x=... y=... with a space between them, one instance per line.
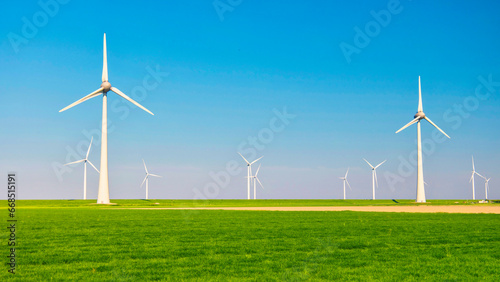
x=106 y=86
x=419 y=115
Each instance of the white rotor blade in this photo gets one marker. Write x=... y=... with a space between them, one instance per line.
x=420 y=107
x=117 y=91
x=408 y=124
x=473 y=169
x=348 y=184
x=244 y=158
x=256 y=160
x=430 y=121
x=145 y=166
x=480 y=175
x=104 y=62
x=259 y=182
x=341 y=178
x=93 y=166
x=346 y=173
x=369 y=164
x=75 y=162
x=257 y=172
x=155 y=175
x=90 y=145
x=380 y=164
x=144 y=180
x=471 y=177
x=91 y=95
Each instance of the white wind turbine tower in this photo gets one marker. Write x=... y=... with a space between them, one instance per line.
x=86 y=160
x=103 y=195
x=255 y=185
x=472 y=179
x=345 y=181
x=420 y=171
x=249 y=172
x=146 y=179
x=374 y=175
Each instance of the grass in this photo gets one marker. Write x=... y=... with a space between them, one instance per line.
x=237 y=203
x=68 y=241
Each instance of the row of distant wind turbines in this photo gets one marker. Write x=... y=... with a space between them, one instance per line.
x=375 y=182
x=103 y=192
x=86 y=160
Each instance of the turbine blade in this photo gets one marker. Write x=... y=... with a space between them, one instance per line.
x=369 y=164
x=93 y=166
x=244 y=158
x=257 y=172
x=479 y=175
x=145 y=166
x=117 y=91
x=155 y=175
x=259 y=182
x=348 y=184
x=408 y=124
x=346 y=173
x=472 y=177
x=144 y=180
x=256 y=160
x=90 y=145
x=75 y=162
x=473 y=169
x=420 y=107
x=91 y=95
x=430 y=121
x=104 y=62
x=380 y=164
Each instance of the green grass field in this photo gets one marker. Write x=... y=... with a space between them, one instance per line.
x=78 y=240
x=238 y=203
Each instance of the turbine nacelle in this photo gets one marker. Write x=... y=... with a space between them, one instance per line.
x=419 y=115
x=106 y=86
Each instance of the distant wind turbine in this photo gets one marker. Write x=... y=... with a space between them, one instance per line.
x=255 y=185
x=345 y=181
x=146 y=179
x=374 y=176
x=420 y=170
x=486 y=187
x=472 y=179
x=249 y=172
x=103 y=195
x=86 y=160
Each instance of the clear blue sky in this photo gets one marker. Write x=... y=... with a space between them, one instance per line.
x=227 y=71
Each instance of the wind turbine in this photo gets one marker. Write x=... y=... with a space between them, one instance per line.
x=255 y=185
x=249 y=172
x=345 y=181
x=86 y=160
x=486 y=187
x=472 y=179
x=103 y=195
x=420 y=171
x=374 y=175
x=146 y=179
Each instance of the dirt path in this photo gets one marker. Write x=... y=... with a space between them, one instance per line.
x=421 y=209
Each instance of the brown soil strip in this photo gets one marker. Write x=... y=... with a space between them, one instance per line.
x=412 y=209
